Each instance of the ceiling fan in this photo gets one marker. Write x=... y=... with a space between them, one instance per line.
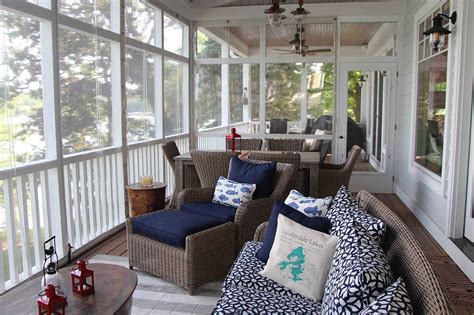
x=300 y=47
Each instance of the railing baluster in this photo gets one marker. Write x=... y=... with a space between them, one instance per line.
x=25 y=235
x=76 y=206
x=90 y=195
x=108 y=177
x=45 y=203
x=11 y=230
x=2 y=265
x=103 y=194
x=35 y=216
x=113 y=181
x=98 y=199
x=84 y=202
x=69 y=217
x=121 y=189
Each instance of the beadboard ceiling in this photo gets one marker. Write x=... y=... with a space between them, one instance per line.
x=321 y=35
x=239 y=3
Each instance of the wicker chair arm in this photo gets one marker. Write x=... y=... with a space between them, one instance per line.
x=260 y=232
x=250 y=215
x=195 y=195
x=199 y=241
x=129 y=225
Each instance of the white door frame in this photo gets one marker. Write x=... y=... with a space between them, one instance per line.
x=377 y=182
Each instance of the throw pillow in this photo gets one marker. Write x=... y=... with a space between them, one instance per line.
x=261 y=174
x=316 y=223
x=317 y=143
x=359 y=273
x=300 y=258
x=394 y=300
x=345 y=208
x=308 y=205
x=231 y=193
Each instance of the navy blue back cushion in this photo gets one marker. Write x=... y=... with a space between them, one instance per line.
x=252 y=173
x=321 y=224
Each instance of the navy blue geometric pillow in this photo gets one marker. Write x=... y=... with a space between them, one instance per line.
x=321 y=224
x=345 y=208
x=261 y=174
x=359 y=272
x=394 y=300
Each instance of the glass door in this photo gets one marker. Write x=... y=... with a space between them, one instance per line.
x=365 y=116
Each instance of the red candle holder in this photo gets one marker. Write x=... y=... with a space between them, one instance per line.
x=82 y=278
x=49 y=302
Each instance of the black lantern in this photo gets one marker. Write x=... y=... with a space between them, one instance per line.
x=437 y=32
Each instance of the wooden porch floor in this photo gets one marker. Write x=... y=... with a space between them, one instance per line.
x=460 y=289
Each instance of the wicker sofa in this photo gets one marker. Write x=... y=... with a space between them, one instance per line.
x=406 y=258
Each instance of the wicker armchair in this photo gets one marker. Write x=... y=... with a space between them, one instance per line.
x=406 y=257
x=251 y=144
x=332 y=177
x=293 y=145
x=211 y=165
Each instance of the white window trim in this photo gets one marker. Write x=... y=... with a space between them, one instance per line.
x=435 y=182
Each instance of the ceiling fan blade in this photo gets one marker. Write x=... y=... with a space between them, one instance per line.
x=277 y=49
x=290 y=53
x=319 y=50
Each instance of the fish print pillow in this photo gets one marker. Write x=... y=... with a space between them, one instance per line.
x=300 y=258
x=231 y=193
x=309 y=206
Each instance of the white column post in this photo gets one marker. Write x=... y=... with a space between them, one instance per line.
x=263 y=81
x=225 y=86
x=246 y=85
x=304 y=97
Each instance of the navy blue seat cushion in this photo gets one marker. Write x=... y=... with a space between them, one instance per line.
x=261 y=174
x=172 y=227
x=211 y=209
x=321 y=224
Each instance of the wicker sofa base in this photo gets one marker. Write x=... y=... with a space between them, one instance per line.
x=208 y=256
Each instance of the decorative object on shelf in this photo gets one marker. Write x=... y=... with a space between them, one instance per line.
x=300 y=13
x=233 y=141
x=51 y=273
x=275 y=14
x=49 y=302
x=82 y=278
x=437 y=32
x=146 y=181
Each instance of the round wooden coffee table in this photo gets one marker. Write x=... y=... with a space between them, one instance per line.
x=114 y=287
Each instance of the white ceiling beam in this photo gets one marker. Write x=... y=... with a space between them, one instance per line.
x=317 y=10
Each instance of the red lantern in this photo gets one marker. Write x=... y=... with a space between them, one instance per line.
x=51 y=303
x=82 y=278
x=232 y=141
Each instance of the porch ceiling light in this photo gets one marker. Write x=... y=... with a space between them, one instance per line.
x=437 y=32
x=275 y=14
x=300 y=13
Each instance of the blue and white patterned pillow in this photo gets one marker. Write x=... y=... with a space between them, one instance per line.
x=311 y=207
x=394 y=300
x=231 y=193
x=345 y=208
x=359 y=273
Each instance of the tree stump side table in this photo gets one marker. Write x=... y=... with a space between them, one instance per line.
x=144 y=199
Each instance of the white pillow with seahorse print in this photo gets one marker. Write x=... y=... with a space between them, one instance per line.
x=300 y=258
x=231 y=193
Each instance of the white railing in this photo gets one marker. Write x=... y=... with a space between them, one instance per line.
x=94 y=195
x=26 y=219
x=94 y=198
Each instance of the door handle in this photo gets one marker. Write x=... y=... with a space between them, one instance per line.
x=341 y=137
